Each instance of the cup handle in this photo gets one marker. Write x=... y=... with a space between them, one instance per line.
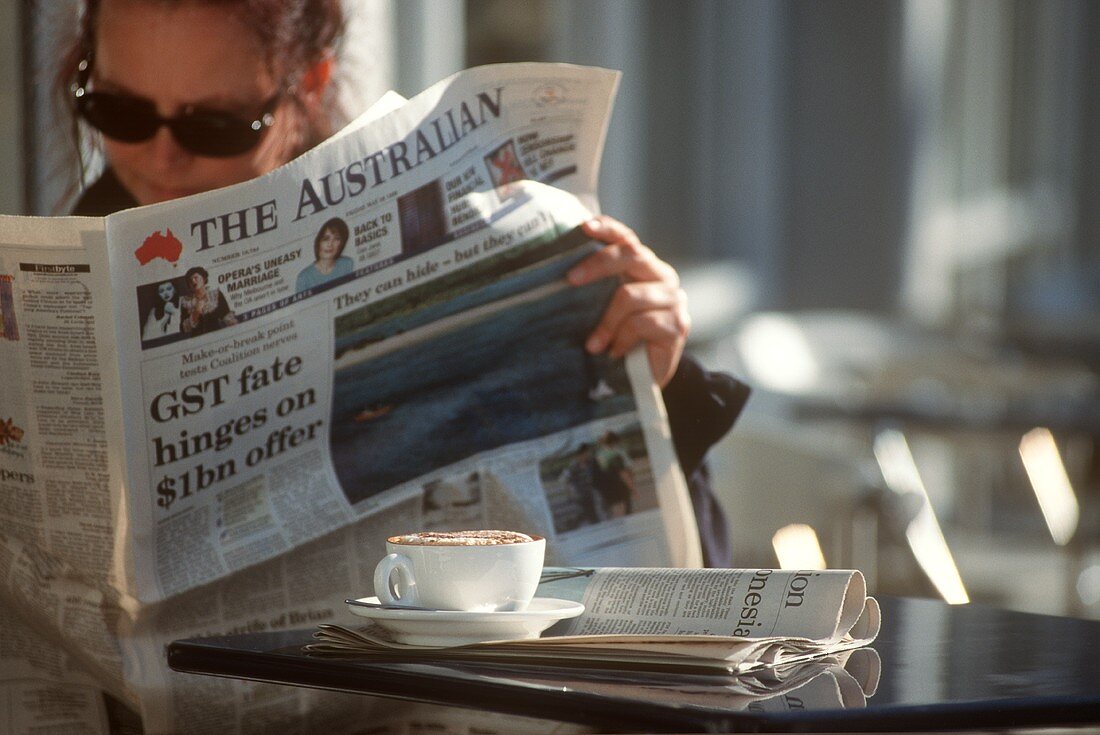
x=384 y=587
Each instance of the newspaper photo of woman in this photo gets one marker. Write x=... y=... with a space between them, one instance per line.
x=204 y=309
x=615 y=477
x=163 y=318
x=329 y=261
x=581 y=478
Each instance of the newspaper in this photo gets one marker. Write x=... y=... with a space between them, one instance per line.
x=203 y=430
x=733 y=621
x=842 y=680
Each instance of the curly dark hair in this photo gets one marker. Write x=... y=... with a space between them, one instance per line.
x=197 y=269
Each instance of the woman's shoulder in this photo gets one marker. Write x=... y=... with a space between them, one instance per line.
x=307 y=275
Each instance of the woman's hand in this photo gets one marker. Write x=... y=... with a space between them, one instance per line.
x=648 y=307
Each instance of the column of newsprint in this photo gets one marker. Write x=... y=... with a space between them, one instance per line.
x=60 y=478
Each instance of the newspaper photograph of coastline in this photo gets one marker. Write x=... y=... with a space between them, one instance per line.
x=503 y=378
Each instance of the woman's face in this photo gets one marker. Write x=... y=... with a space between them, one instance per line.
x=190 y=54
x=328 y=247
x=166 y=291
x=196 y=281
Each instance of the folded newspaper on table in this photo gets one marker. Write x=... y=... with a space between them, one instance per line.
x=206 y=427
x=689 y=620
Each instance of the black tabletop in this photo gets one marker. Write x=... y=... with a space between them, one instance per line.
x=941 y=667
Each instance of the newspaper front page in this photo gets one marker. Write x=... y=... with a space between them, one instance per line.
x=215 y=410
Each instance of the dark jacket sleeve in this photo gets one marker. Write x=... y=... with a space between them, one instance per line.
x=105 y=196
x=702 y=406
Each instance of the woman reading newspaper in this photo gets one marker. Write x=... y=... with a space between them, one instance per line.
x=191 y=95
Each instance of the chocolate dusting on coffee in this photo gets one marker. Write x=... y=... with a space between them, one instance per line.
x=462 y=538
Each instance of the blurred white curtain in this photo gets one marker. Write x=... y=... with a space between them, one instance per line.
x=12 y=160
x=992 y=90
x=366 y=64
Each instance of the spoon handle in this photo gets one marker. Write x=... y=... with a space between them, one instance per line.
x=380 y=606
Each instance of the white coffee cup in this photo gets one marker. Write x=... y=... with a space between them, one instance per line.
x=441 y=573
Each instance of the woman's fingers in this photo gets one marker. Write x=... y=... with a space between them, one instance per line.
x=664 y=333
x=649 y=307
x=633 y=299
x=624 y=255
x=657 y=317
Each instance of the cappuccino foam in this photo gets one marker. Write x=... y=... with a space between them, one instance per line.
x=462 y=538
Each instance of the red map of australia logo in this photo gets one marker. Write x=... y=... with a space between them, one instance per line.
x=165 y=246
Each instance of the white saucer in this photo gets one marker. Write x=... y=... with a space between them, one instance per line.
x=458 y=628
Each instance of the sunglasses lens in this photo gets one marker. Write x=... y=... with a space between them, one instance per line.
x=132 y=120
x=215 y=134
x=128 y=119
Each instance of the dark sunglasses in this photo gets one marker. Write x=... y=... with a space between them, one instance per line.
x=133 y=119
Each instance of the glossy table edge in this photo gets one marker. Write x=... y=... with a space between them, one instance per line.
x=489 y=687
x=424 y=683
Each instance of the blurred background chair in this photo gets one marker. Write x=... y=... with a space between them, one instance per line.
x=935 y=465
